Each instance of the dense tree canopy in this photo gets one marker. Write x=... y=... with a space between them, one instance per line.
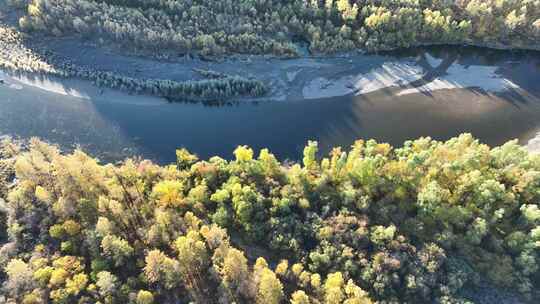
x=414 y=224
x=274 y=27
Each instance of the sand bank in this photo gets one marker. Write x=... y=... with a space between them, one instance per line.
x=412 y=78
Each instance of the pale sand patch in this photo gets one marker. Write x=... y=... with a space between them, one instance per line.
x=459 y=76
x=7 y=83
x=321 y=87
x=432 y=60
x=49 y=85
x=388 y=75
x=534 y=144
x=402 y=74
x=15 y=86
x=292 y=75
x=78 y=88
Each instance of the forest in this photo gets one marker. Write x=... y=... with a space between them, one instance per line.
x=431 y=221
x=369 y=224
x=281 y=27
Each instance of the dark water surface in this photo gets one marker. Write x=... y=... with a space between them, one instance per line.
x=113 y=129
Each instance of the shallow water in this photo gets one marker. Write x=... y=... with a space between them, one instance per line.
x=112 y=128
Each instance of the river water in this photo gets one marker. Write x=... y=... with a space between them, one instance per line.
x=493 y=95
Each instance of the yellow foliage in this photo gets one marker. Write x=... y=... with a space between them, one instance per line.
x=145 y=297
x=315 y=280
x=58 y=277
x=282 y=267
x=71 y=227
x=270 y=288
x=42 y=194
x=299 y=297
x=169 y=193
x=76 y=284
x=243 y=153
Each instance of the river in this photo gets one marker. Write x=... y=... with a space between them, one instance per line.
x=493 y=95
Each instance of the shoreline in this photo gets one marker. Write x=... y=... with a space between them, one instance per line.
x=372 y=109
x=291 y=79
x=232 y=77
x=258 y=77
x=286 y=79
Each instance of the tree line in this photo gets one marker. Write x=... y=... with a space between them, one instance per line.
x=415 y=224
x=278 y=27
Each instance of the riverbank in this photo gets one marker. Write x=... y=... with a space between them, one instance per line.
x=18 y=54
x=291 y=79
x=91 y=51
x=239 y=77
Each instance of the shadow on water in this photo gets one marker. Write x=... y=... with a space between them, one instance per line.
x=113 y=129
x=208 y=131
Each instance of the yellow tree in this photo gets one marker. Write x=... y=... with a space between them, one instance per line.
x=333 y=288
x=194 y=260
x=269 y=287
